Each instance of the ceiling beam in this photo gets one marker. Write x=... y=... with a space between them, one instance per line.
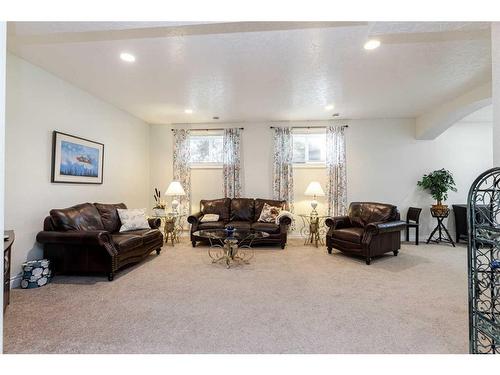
x=433 y=123
x=433 y=37
x=169 y=31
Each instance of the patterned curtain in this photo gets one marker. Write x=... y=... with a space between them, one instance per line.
x=182 y=168
x=282 y=166
x=336 y=169
x=232 y=163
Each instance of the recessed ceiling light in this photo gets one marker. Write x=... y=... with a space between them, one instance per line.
x=215 y=117
x=329 y=107
x=128 y=57
x=336 y=115
x=372 y=44
x=188 y=111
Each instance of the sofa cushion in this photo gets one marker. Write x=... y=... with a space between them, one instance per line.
x=216 y=206
x=211 y=225
x=109 y=215
x=148 y=235
x=83 y=216
x=353 y=234
x=242 y=209
x=266 y=227
x=126 y=241
x=259 y=205
x=244 y=225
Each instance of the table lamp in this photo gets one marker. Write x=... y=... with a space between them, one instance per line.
x=175 y=189
x=314 y=190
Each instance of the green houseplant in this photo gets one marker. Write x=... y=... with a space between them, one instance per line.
x=438 y=183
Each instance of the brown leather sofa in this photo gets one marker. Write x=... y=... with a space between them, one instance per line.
x=369 y=229
x=241 y=213
x=85 y=239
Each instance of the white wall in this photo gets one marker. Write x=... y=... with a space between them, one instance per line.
x=384 y=163
x=3 y=36
x=37 y=104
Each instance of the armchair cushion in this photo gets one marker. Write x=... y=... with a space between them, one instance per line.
x=109 y=215
x=216 y=206
x=83 y=216
x=352 y=234
x=386 y=226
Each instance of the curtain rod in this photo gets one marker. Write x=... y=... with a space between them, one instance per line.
x=208 y=129
x=307 y=127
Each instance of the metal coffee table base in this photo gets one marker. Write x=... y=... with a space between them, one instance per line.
x=229 y=253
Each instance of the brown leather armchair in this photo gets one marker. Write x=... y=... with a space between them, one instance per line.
x=369 y=229
x=85 y=239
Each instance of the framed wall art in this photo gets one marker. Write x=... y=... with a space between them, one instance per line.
x=76 y=160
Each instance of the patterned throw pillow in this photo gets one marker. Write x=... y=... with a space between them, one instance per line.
x=209 y=218
x=133 y=219
x=269 y=213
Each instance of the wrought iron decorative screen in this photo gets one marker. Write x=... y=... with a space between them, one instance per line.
x=483 y=216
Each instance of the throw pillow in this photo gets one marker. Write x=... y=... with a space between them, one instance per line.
x=133 y=219
x=209 y=217
x=269 y=213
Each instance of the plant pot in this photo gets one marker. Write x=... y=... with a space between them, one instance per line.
x=440 y=209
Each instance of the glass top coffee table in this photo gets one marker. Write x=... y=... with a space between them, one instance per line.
x=230 y=247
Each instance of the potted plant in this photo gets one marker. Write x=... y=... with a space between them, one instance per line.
x=438 y=183
x=159 y=208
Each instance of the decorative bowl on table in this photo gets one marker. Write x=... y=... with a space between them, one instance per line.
x=229 y=230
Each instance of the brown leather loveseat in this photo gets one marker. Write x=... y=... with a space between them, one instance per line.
x=243 y=214
x=85 y=239
x=369 y=229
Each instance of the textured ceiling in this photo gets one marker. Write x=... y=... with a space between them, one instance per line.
x=262 y=71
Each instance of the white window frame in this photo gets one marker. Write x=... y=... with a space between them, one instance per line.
x=206 y=165
x=307 y=163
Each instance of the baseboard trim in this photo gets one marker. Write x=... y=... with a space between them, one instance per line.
x=15 y=282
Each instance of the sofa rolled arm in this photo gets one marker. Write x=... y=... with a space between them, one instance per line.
x=338 y=222
x=285 y=221
x=194 y=218
x=89 y=238
x=386 y=226
x=154 y=222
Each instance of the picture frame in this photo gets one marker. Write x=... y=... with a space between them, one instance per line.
x=76 y=160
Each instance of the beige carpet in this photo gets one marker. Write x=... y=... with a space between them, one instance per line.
x=297 y=300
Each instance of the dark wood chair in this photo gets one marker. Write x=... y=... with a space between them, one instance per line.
x=412 y=217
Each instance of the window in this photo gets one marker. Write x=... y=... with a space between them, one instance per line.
x=309 y=148
x=206 y=149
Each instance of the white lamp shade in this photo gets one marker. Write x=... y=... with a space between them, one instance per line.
x=175 y=188
x=314 y=189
